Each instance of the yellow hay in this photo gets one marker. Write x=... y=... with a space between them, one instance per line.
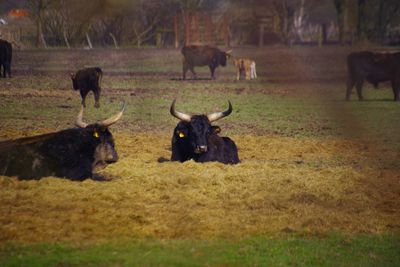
x=281 y=185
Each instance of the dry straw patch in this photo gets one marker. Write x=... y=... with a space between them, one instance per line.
x=282 y=185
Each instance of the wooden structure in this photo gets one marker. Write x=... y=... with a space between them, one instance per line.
x=193 y=27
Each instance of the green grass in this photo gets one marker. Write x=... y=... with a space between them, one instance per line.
x=334 y=250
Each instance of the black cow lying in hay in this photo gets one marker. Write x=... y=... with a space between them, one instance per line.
x=71 y=153
x=375 y=68
x=196 y=55
x=5 y=58
x=195 y=138
x=87 y=80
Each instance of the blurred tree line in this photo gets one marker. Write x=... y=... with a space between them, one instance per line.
x=151 y=22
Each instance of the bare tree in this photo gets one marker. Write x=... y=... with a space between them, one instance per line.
x=37 y=9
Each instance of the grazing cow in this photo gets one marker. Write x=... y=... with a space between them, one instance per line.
x=195 y=138
x=246 y=66
x=195 y=55
x=86 y=80
x=375 y=68
x=71 y=153
x=5 y=58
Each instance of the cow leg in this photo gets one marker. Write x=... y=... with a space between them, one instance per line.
x=254 y=71
x=212 y=70
x=238 y=74
x=83 y=95
x=185 y=68
x=4 y=71
x=191 y=68
x=396 y=90
x=8 y=71
x=359 y=85
x=96 y=98
x=350 y=85
x=247 y=71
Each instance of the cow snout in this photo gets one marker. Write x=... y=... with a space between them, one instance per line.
x=111 y=158
x=201 y=149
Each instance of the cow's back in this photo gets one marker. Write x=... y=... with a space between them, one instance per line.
x=221 y=149
x=198 y=55
x=374 y=67
x=88 y=78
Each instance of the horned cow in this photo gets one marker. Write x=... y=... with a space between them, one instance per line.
x=196 y=55
x=72 y=153
x=195 y=138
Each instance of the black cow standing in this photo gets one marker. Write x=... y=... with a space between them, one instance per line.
x=195 y=55
x=195 y=138
x=374 y=68
x=5 y=58
x=86 y=80
x=71 y=153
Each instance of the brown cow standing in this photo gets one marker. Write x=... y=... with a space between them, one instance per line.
x=196 y=55
x=5 y=58
x=86 y=80
x=375 y=68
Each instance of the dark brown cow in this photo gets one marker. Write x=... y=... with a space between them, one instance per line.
x=196 y=55
x=86 y=80
x=374 y=68
x=195 y=138
x=5 y=58
x=71 y=153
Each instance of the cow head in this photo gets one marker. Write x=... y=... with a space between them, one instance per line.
x=195 y=129
x=74 y=83
x=224 y=56
x=99 y=134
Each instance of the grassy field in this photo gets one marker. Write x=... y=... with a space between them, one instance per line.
x=318 y=182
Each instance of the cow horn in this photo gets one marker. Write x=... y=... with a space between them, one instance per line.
x=228 y=52
x=79 y=121
x=219 y=115
x=113 y=119
x=179 y=115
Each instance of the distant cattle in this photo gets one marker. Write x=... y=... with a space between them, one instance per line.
x=195 y=138
x=5 y=58
x=72 y=153
x=195 y=55
x=86 y=80
x=245 y=66
x=374 y=68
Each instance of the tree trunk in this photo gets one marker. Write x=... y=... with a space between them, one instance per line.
x=114 y=39
x=340 y=6
x=176 y=30
x=88 y=41
x=66 y=39
x=361 y=25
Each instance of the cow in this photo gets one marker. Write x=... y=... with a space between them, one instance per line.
x=5 y=58
x=71 y=153
x=196 y=55
x=245 y=66
x=86 y=80
x=374 y=68
x=195 y=138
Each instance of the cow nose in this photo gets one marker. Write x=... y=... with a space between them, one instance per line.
x=112 y=158
x=203 y=148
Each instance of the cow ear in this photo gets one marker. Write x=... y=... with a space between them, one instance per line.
x=215 y=129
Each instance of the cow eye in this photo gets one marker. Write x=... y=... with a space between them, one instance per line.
x=96 y=134
x=181 y=135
